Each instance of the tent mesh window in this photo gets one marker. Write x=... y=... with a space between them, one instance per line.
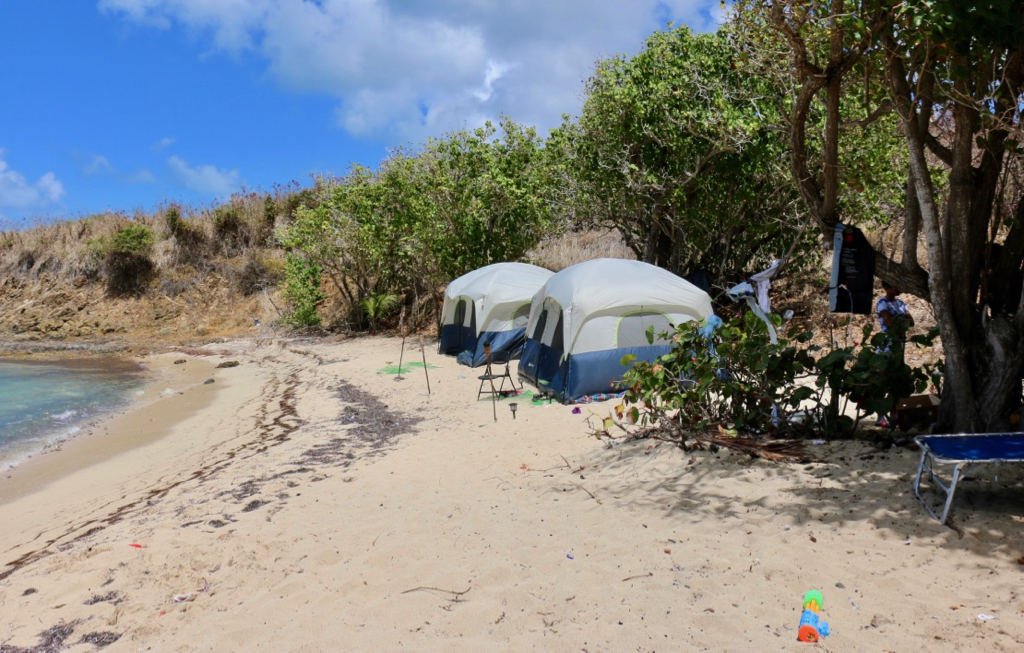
x=632 y=330
x=557 y=338
x=542 y=321
x=521 y=317
x=460 y=313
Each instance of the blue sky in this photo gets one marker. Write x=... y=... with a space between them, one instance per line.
x=128 y=104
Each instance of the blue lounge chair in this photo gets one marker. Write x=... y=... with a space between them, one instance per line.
x=962 y=451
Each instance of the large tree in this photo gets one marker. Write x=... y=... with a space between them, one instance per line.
x=951 y=73
x=676 y=148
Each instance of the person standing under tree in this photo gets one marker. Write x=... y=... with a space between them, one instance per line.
x=895 y=319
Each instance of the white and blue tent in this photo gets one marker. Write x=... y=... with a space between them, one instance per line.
x=588 y=316
x=489 y=305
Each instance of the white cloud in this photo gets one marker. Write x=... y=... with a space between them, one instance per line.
x=98 y=165
x=232 y=22
x=205 y=179
x=163 y=143
x=409 y=68
x=18 y=193
x=50 y=188
x=141 y=176
x=494 y=72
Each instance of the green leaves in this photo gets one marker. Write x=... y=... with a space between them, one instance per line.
x=672 y=148
x=133 y=238
x=743 y=384
x=422 y=219
x=302 y=288
x=756 y=386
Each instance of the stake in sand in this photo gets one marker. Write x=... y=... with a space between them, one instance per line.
x=423 y=352
x=401 y=327
x=490 y=378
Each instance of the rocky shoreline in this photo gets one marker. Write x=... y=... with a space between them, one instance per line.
x=21 y=348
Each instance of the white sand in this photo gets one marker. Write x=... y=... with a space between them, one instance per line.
x=463 y=533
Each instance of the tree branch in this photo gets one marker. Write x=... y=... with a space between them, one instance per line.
x=941 y=152
x=884 y=107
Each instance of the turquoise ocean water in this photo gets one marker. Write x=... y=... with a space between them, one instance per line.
x=45 y=401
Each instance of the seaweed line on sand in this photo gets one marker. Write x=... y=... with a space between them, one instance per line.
x=374 y=428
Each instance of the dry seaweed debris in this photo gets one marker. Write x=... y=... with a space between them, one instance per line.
x=51 y=640
x=113 y=597
x=779 y=451
x=99 y=640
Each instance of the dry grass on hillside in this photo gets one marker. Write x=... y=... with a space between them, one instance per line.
x=234 y=240
x=206 y=272
x=574 y=247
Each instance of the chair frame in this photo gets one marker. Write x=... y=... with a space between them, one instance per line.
x=929 y=459
x=490 y=377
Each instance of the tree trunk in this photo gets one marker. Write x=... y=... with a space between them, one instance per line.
x=997 y=357
x=911 y=226
x=650 y=249
x=957 y=236
x=958 y=411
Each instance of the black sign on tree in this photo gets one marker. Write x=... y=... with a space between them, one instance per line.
x=853 y=272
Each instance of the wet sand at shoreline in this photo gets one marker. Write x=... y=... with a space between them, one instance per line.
x=307 y=501
x=169 y=391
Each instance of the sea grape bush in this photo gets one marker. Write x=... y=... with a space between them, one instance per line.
x=873 y=375
x=422 y=219
x=672 y=136
x=302 y=288
x=738 y=379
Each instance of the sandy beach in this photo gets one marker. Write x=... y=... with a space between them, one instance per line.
x=310 y=501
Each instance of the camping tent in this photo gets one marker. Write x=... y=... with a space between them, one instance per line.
x=489 y=305
x=588 y=316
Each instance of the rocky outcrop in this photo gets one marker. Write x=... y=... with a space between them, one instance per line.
x=47 y=309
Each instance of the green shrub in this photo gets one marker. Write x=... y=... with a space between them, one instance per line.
x=269 y=219
x=125 y=258
x=175 y=224
x=738 y=379
x=132 y=238
x=872 y=377
x=377 y=307
x=302 y=288
x=188 y=238
x=228 y=229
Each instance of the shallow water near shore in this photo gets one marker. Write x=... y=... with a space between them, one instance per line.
x=44 y=402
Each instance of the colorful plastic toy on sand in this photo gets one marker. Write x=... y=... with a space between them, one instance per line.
x=812 y=628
